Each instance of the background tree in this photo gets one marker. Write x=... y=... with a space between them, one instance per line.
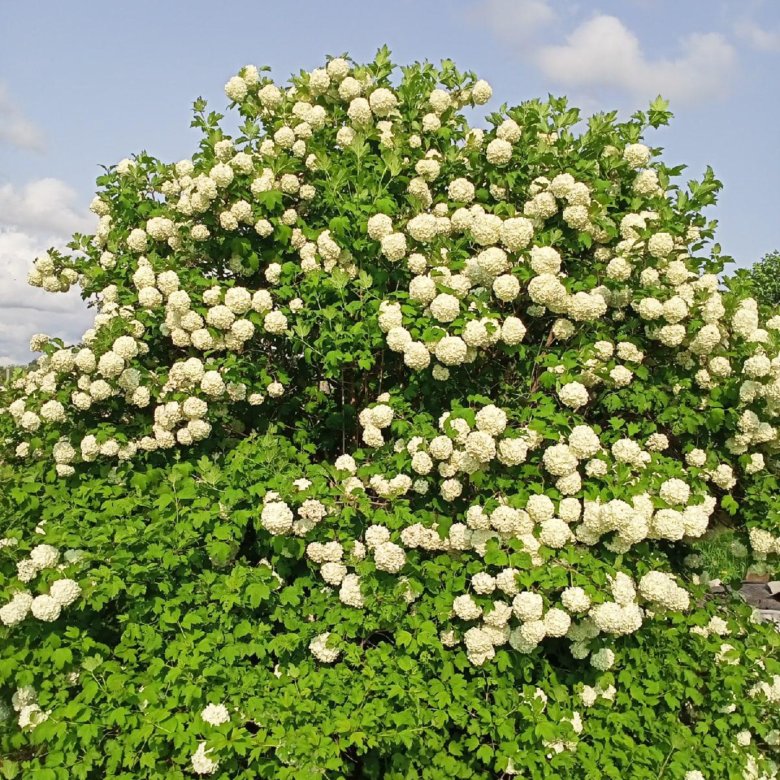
x=765 y=277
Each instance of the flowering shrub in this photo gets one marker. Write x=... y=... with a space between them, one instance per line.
x=385 y=454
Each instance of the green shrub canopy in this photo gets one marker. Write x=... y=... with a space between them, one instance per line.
x=386 y=454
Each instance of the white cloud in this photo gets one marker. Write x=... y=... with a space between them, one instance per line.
x=43 y=206
x=603 y=52
x=34 y=218
x=515 y=20
x=757 y=37
x=15 y=127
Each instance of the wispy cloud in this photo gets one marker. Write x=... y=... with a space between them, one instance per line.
x=15 y=128
x=758 y=37
x=515 y=21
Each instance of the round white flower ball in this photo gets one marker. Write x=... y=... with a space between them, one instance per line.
x=379 y=226
x=394 y=246
x=603 y=659
x=491 y=419
x=499 y=152
x=45 y=608
x=556 y=622
x=17 y=609
x=466 y=608
x=338 y=68
x=321 y=651
x=506 y=287
x=674 y=491
x=389 y=557
x=65 y=591
x=276 y=517
x=215 y=714
x=445 y=307
x=451 y=351
x=461 y=190
x=481 y=92
x=416 y=356
x=382 y=101
x=527 y=606
x=554 y=533
x=236 y=89
x=44 y=556
x=574 y=395
x=483 y=583
x=636 y=155
x=574 y=599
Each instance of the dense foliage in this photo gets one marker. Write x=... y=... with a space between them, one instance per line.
x=765 y=279
x=386 y=454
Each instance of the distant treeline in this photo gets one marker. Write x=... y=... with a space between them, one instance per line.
x=6 y=372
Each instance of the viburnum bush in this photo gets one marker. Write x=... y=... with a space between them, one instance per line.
x=387 y=454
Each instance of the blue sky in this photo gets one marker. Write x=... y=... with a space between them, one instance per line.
x=91 y=82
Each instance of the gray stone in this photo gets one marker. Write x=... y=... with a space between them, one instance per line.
x=770 y=615
x=754 y=593
x=773 y=587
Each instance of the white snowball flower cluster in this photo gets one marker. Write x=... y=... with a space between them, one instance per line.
x=603 y=660
x=466 y=608
x=47 y=606
x=499 y=152
x=479 y=646
x=461 y=190
x=25 y=704
x=215 y=714
x=374 y=420
x=17 y=609
x=202 y=763
x=389 y=557
x=321 y=650
x=661 y=589
x=350 y=593
x=574 y=395
x=675 y=491
x=575 y=600
x=619 y=619
x=42 y=556
x=636 y=155
x=276 y=517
